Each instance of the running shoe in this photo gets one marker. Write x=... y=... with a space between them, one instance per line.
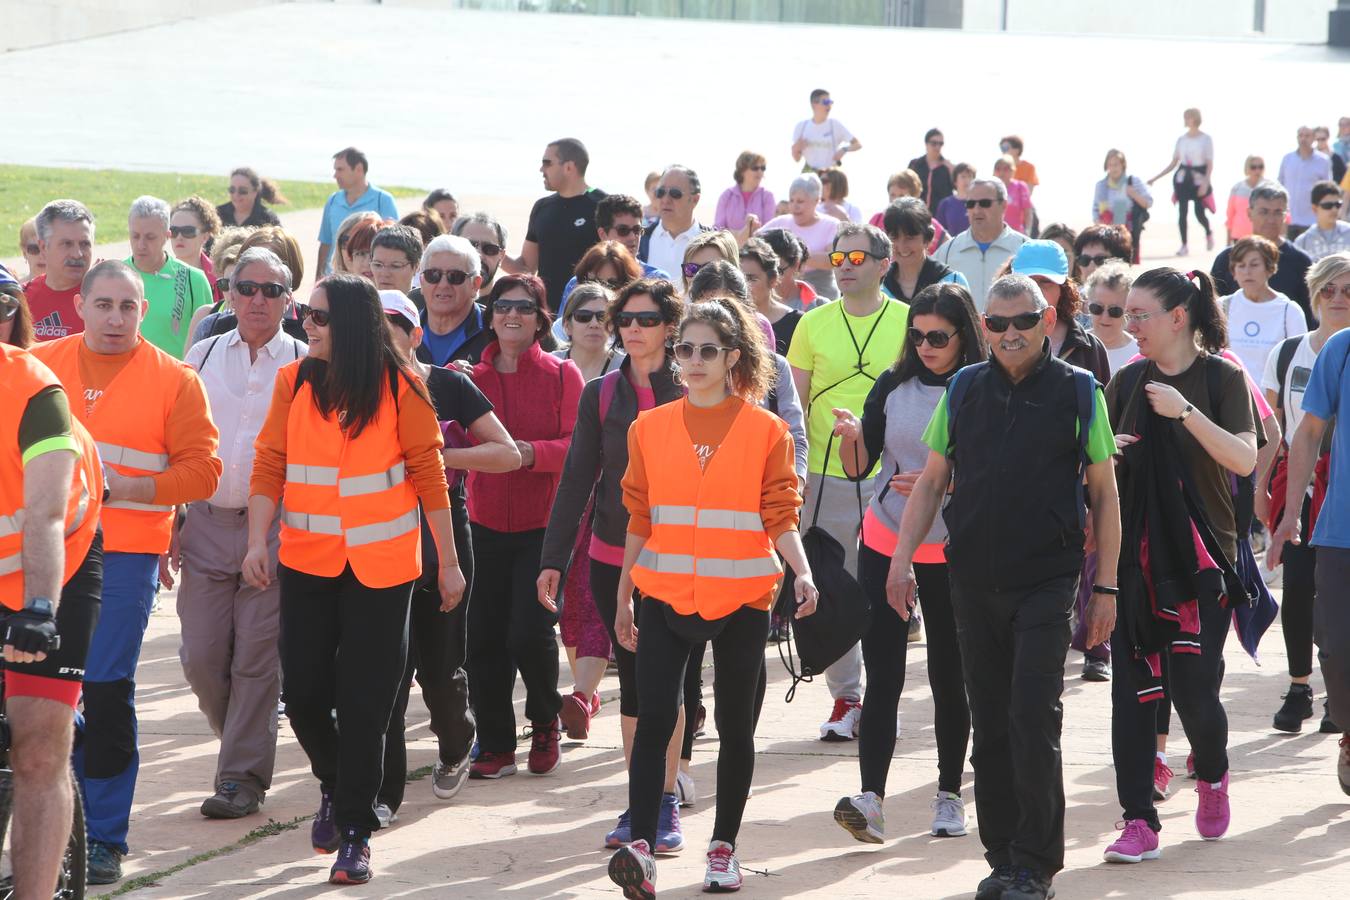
x=491 y=764
x=352 y=865
x=1298 y=706
x=105 y=863
x=622 y=833
x=595 y=704
x=1137 y=842
x=843 y=722
x=1190 y=765
x=1029 y=884
x=576 y=715
x=949 y=815
x=230 y=801
x=323 y=834
x=992 y=886
x=544 y=753
x=915 y=634
x=633 y=869
x=861 y=816
x=1183 y=250
x=669 y=837
x=684 y=787
x=1162 y=777
x=723 y=874
x=1343 y=763
x=385 y=814
x=1213 y=814
x=1095 y=669
x=447 y=781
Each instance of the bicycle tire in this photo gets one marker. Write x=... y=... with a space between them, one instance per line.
x=72 y=881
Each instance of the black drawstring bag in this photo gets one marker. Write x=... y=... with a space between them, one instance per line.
x=842 y=612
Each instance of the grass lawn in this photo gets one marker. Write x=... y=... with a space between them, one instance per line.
x=108 y=193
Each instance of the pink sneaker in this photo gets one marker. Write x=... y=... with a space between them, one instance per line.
x=1137 y=842
x=1212 y=816
x=595 y=704
x=1190 y=765
x=1162 y=777
x=576 y=716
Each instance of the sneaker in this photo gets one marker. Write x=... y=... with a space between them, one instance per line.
x=777 y=631
x=861 y=816
x=949 y=815
x=915 y=629
x=323 y=834
x=1273 y=577
x=385 y=814
x=669 y=838
x=1328 y=726
x=105 y=863
x=1183 y=250
x=474 y=750
x=633 y=869
x=1343 y=763
x=352 y=865
x=1095 y=669
x=490 y=764
x=544 y=753
x=575 y=715
x=843 y=722
x=996 y=882
x=1213 y=815
x=230 y=801
x=1209 y=242
x=701 y=721
x=1162 y=777
x=1137 y=842
x=1298 y=705
x=1260 y=541
x=1190 y=765
x=684 y=787
x=622 y=833
x=723 y=874
x=1029 y=884
x=447 y=781
x=595 y=704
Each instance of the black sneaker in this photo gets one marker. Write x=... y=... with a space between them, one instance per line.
x=998 y=881
x=353 y=861
x=1095 y=669
x=1029 y=884
x=323 y=834
x=1298 y=705
x=105 y=863
x=230 y=801
x=1328 y=726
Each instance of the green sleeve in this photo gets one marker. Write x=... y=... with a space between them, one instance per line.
x=45 y=425
x=1101 y=441
x=935 y=436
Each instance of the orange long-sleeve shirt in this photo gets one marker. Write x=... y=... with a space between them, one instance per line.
x=418 y=432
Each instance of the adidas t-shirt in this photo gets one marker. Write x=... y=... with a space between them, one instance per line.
x=53 y=311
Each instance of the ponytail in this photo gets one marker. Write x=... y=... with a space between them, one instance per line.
x=753 y=375
x=271 y=193
x=1195 y=290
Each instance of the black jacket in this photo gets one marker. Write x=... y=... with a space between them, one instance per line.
x=931 y=273
x=937 y=183
x=1086 y=351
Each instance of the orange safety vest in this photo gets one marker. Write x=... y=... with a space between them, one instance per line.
x=129 y=424
x=23 y=378
x=708 y=552
x=348 y=500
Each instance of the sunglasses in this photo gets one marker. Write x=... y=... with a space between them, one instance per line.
x=487 y=248
x=1084 y=260
x=1330 y=204
x=855 y=257
x=1328 y=291
x=320 y=317
x=9 y=308
x=271 y=290
x=453 y=276
x=626 y=230
x=523 y=307
x=936 y=339
x=936 y=143
x=643 y=319
x=684 y=351
x=675 y=193
x=32 y=249
x=982 y=204
x=240 y=191
x=826 y=102
x=1257 y=167
x=690 y=269
x=187 y=231
x=1019 y=322
x=585 y=316
x=223 y=284
x=1114 y=312
x=759 y=168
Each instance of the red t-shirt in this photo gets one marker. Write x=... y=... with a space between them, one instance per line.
x=53 y=311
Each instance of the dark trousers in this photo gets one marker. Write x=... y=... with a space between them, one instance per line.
x=1296 y=604
x=738 y=656
x=884 y=647
x=437 y=644
x=1331 y=628
x=1192 y=685
x=509 y=632
x=343 y=646
x=1187 y=192
x=1013 y=644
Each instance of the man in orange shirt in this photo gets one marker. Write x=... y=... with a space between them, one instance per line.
x=148 y=414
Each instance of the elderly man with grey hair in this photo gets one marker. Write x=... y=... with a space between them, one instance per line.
x=65 y=233
x=229 y=629
x=453 y=330
x=173 y=289
x=980 y=250
x=663 y=244
x=1268 y=206
x=1019 y=433
x=815 y=228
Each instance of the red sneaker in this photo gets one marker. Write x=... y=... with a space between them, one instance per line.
x=544 y=753
x=493 y=765
x=595 y=704
x=576 y=716
x=1162 y=777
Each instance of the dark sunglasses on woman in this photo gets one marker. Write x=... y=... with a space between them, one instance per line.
x=936 y=339
x=1114 y=312
x=584 y=316
x=643 y=319
x=1019 y=322
x=320 y=316
x=223 y=284
x=1084 y=260
x=187 y=231
x=453 y=276
x=523 y=307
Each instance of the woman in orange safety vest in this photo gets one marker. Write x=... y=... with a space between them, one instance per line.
x=350 y=445
x=711 y=492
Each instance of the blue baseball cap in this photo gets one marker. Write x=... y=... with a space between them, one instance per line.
x=1044 y=258
x=7 y=277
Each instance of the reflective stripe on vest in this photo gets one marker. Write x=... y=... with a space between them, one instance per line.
x=12 y=525
x=321 y=476
x=134 y=459
x=351 y=486
x=731 y=519
x=358 y=535
x=684 y=564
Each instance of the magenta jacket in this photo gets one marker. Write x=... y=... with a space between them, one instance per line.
x=732 y=207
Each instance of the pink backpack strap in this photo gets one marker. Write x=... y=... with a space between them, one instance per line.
x=608 y=383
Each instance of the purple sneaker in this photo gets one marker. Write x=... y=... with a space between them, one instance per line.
x=1137 y=842
x=323 y=834
x=669 y=838
x=1213 y=815
x=353 y=861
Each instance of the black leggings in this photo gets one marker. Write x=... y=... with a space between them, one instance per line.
x=884 y=646
x=1296 y=608
x=1188 y=192
x=738 y=656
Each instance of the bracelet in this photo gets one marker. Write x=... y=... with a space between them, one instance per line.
x=1186 y=412
x=1103 y=589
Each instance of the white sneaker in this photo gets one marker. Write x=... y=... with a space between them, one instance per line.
x=949 y=815
x=447 y=781
x=1273 y=577
x=684 y=788
x=386 y=815
x=843 y=722
x=861 y=817
x=724 y=871
x=1184 y=250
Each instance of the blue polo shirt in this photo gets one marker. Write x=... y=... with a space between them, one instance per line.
x=1328 y=396
x=338 y=209
x=648 y=271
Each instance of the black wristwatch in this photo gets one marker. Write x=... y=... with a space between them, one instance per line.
x=41 y=605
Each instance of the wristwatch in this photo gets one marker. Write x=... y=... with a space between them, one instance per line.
x=41 y=605
x=1186 y=412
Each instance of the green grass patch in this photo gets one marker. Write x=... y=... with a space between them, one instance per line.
x=108 y=193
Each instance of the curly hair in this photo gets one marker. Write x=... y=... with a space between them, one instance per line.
x=204 y=211
x=664 y=294
x=753 y=375
x=226 y=248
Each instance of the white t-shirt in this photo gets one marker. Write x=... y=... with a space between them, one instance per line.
x=1254 y=328
x=1195 y=151
x=1118 y=357
x=1295 y=381
x=822 y=141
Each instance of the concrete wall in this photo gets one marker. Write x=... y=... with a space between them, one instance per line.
x=1286 y=20
x=34 y=23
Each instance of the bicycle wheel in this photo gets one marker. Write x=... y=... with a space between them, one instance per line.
x=72 y=878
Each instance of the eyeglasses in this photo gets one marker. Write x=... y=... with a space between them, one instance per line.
x=522 y=307
x=855 y=257
x=32 y=249
x=1257 y=167
x=223 y=284
x=487 y=248
x=378 y=266
x=675 y=193
x=684 y=351
x=626 y=230
x=453 y=276
x=1019 y=322
x=1084 y=260
x=982 y=204
x=1328 y=291
x=643 y=319
x=240 y=191
x=187 y=231
x=271 y=290
x=759 y=168
x=584 y=316
x=1138 y=318
x=690 y=269
x=360 y=254
x=936 y=339
x=9 y=308
x=320 y=317
x=1330 y=204
x=1114 y=312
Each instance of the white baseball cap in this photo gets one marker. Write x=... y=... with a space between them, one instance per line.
x=398 y=302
